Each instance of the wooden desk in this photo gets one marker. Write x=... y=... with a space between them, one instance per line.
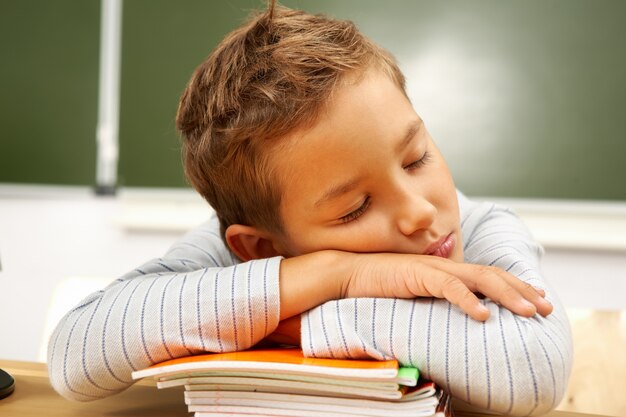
x=34 y=396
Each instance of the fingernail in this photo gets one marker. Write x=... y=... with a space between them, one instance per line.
x=483 y=311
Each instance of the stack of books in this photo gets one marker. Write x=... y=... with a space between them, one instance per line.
x=282 y=382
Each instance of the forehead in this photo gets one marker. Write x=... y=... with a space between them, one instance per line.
x=363 y=119
x=367 y=102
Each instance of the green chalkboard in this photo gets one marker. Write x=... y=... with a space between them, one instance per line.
x=163 y=42
x=525 y=99
x=48 y=91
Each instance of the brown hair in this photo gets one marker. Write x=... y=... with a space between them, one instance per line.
x=264 y=80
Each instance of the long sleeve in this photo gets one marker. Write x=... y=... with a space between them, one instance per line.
x=194 y=299
x=508 y=364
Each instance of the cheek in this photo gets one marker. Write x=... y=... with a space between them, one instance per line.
x=374 y=232
x=364 y=236
x=302 y=238
x=443 y=186
x=443 y=172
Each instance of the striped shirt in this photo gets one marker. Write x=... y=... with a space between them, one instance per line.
x=199 y=298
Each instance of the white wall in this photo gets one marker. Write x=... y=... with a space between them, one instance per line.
x=49 y=235
x=67 y=239
x=587 y=279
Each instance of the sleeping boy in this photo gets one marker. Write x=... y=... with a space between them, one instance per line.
x=337 y=227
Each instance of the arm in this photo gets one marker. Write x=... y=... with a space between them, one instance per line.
x=508 y=364
x=194 y=299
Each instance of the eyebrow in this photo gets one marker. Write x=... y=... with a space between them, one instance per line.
x=343 y=188
x=337 y=190
x=414 y=127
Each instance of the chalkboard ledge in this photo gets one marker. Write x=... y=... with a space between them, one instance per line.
x=572 y=224
x=105 y=190
x=556 y=224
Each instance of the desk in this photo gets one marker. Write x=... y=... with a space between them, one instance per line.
x=34 y=396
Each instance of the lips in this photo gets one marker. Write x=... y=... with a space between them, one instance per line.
x=443 y=247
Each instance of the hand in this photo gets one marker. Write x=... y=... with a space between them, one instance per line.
x=410 y=276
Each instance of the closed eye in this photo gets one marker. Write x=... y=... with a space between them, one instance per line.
x=419 y=163
x=354 y=215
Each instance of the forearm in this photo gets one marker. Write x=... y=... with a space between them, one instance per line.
x=187 y=302
x=507 y=364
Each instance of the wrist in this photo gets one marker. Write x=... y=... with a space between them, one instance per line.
x=307 y=281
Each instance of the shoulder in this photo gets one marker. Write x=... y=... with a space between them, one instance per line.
x=204 y=243
x=473 y=213
x=490 y=220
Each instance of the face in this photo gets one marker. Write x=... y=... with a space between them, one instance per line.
x=367 y=178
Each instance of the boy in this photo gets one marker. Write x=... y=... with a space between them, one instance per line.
x=348 y=230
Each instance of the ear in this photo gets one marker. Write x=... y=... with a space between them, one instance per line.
x=249 y=242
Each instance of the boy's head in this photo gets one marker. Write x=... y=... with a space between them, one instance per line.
x=268 y=91
x=269 y=77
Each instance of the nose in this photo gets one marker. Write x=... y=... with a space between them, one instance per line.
x=414 y=212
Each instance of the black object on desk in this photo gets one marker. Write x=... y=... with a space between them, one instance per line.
x=7 y=384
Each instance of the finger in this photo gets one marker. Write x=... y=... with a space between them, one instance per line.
x=513 y=300
x=457 y=293
x=504 y=290
x=532 y=294
x=434 y=282
x=426 y=281
x=502 y=287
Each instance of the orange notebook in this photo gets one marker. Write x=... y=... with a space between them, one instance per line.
x=282 y=382
x=276 y=361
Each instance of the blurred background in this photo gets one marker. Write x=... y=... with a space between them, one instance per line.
x=525 y=99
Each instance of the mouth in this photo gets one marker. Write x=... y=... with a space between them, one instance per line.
x=443 y=247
